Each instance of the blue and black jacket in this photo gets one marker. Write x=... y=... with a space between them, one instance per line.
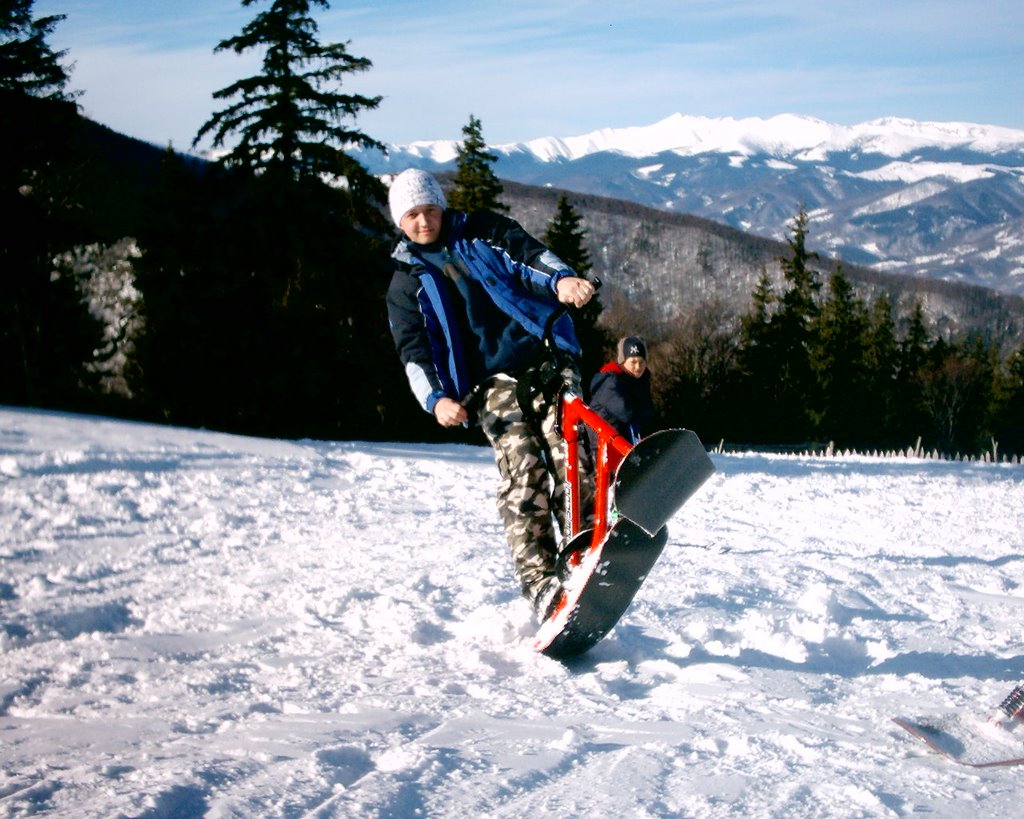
x=474 y=304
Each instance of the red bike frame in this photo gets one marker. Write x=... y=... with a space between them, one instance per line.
x=611 y=449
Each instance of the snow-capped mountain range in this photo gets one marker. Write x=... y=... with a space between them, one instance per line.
x=942 y=199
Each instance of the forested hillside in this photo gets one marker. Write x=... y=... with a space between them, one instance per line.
x=669 y=263
x=247 y=293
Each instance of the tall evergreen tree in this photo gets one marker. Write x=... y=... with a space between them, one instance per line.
x=283 y=284
x=476 y=186
x=757 y=384
x=776 y=379
x=565 y=237
x=795 y=324
x=27 y=62
x=755 y=326
x=881 y=361
x=46 y=333
x=838 y=359
x=1008 y=410
x=911 y=421
x=290 y=119
x=804 y=284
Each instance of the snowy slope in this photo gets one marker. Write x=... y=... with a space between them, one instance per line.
x=198 y=623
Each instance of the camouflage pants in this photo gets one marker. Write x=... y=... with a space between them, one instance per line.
x=531 y=493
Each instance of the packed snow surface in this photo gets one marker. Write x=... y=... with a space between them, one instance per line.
x=196 y=623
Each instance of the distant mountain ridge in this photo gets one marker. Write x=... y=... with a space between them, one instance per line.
x=935 y=199
x=783 y=135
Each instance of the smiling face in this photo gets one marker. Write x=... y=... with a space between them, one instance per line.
x=422 y=224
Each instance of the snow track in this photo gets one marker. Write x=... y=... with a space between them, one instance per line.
x=194 y=623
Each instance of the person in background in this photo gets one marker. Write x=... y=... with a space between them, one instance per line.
x=471 y=302
x=620 y=392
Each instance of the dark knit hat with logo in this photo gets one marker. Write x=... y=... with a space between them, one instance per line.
x=631 y=346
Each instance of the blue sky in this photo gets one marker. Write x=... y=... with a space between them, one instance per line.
x=536 y=68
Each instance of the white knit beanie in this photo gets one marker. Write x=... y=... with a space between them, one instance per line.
x=412 y=188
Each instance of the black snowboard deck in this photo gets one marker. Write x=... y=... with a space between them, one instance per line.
x=605 y=584
x=659 y=475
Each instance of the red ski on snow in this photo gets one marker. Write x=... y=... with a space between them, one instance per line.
x=978 y=743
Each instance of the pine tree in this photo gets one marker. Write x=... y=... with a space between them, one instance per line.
x=795 y=326
x=911 y=419
x=565 y=237
x=284 y=283
x=476 y=186
x=1008 y=405
x=838 y=359
x=290 y=119
x=881 y=362
x=916 y=343
x=754 y=326
x=757 y=384
x=775 y=377
x=46 y=333
x=27 y=63
x=36 y=111
x=803 y=280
